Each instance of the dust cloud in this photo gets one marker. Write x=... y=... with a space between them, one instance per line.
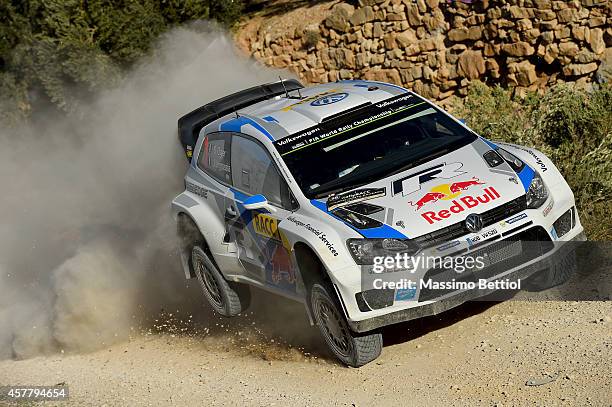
x=86 y=236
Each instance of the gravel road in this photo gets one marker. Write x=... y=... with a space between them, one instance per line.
x=477 y=354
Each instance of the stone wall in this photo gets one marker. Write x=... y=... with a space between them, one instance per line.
x=437 y=47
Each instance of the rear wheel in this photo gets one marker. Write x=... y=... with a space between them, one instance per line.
x=228 y=299
x=350 y=348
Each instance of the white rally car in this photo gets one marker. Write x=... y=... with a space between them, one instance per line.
x=301 y=191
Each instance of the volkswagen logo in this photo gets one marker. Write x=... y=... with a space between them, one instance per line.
x=473 y=223
x=329 y=99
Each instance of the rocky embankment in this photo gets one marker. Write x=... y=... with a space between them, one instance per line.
x=437 y=47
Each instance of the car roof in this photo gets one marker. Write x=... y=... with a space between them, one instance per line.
x=281 y=116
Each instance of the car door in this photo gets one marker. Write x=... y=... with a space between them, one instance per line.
x=263 y=248
x=215 y=184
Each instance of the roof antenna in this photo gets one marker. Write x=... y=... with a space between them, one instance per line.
x=236 y=112
x=284 y=87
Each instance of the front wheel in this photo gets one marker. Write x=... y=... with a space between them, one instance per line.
x=350 y=348
x=557 y=274
x=228 y=299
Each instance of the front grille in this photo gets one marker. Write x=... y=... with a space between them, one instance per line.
x=501 y=256
x=458 y=229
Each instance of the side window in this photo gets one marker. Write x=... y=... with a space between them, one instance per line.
x=254 y=172
x=214 y=156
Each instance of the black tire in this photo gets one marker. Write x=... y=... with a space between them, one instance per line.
x=559 y=273
x=227 y=299
x=350 y=348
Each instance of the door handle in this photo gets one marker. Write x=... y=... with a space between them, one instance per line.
x=230 y=213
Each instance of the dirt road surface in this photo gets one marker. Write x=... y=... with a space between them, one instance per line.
x=478 y=354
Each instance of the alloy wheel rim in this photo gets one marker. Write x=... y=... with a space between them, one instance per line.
x=208 y=282
x=334 y=330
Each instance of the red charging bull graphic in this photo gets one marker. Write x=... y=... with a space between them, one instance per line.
x=282 y=268
x=452 y=192
x=427 y=198
x=463 y=186
x=445 y=192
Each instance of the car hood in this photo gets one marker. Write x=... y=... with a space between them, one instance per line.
x=439 y=193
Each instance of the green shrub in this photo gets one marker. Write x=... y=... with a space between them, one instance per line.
x=571 y=126
x=62 y=49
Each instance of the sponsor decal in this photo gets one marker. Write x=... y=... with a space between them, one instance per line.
x=553 y=233
x=461 y=204
x=548 y=208
x=405 y=294
x=335 y=128
x=281 y=270
x=447 y=245
x=516 y=218
x=196 y=189
x=413 y=182
x=401 y=224
x=360 y=195
x=481 y=237
x=265 y=225
x=329 y=99
x=445 y=192
x=322 y=237
x=537 y=159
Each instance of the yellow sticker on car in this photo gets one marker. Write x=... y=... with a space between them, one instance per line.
x=266 y=226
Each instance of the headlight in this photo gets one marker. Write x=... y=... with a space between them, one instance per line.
x=537 y=193
x=365 y=250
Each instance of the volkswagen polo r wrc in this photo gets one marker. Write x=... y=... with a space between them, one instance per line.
x=322 y=194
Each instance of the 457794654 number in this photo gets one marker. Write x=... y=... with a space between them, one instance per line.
x=34 y=393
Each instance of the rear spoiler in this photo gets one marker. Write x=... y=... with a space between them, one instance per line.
x=189 y=126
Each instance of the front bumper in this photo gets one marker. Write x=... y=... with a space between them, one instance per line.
x=541 y=264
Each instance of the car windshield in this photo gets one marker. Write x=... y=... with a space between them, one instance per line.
x=369 y=143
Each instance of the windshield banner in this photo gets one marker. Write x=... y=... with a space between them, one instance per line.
x=369 y=115
x=360 y=195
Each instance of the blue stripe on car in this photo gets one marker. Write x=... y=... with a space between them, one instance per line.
x=490 y=143
x=245 y=214
x=526 y=176
x=236 y=124
x=384 y=231
x=239 y=196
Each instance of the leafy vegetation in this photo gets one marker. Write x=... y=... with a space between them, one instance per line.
x=58 y=50
x=572 y=127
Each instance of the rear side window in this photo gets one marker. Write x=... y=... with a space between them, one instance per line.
x=215 y=157
x=253 y=170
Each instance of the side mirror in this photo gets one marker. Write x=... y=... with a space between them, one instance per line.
x=462 y=121
x=258 y=202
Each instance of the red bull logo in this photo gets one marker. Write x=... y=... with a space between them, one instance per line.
x=452 y=193
x=445 y=192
